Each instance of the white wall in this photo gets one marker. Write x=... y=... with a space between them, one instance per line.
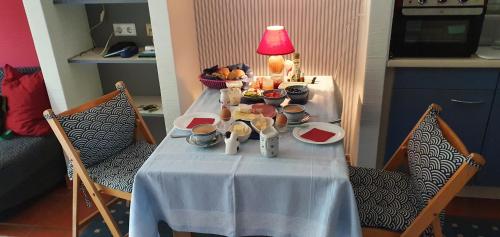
x=379 y=28
x=60 y=32
x=159 y=14
x=185 y=46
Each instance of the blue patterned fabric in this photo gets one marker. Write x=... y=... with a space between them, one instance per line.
x=392 y=200
x=385 y=199
x=432 y=160
x=118 y=171
x=102 y=131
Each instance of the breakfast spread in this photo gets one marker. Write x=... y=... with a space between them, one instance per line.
x=273 y=94
x=223 y=73
x=252 y=92
x=260 y=123
x=240 y=129
x=225 y=113
x=245 y=116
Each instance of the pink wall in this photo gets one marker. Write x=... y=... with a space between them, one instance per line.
x=16 y=43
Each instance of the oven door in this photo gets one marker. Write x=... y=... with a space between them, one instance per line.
x=436 y=36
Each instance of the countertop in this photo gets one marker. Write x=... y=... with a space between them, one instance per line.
x=471 y=62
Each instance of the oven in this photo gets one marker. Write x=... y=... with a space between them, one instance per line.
x=436 y=28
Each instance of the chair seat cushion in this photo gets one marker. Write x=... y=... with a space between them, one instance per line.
x=118 y=171
x=385 y=199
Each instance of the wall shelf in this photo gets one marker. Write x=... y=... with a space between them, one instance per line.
x=148 y=100
x=97 y=1
x=92 y=56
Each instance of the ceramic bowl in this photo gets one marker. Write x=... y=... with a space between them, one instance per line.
x=274 y=100
x=244 y=137
x=297 y=92
x=255 y=123
x=294 y=112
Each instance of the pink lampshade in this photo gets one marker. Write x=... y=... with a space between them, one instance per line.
x=275 y=41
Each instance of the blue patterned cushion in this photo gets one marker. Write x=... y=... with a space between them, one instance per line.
x=118 y=171
x=385 y=199
x=102 y=131
x=432 y=160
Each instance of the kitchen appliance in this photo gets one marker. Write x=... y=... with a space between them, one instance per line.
x=436 y=28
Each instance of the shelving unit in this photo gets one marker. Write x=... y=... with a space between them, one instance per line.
x=93 y=56
x=148 y=100
x=97 y=1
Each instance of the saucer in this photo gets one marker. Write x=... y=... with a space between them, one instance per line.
x=305 y=119
x=214 y=142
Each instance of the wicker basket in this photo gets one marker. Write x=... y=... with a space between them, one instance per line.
x=215 y=83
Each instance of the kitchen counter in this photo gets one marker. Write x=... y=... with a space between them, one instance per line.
x=472 y=62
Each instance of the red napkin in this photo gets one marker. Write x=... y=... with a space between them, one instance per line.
x=318 y=135
x=198 y=121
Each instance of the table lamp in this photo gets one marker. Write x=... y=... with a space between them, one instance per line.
x=275 y=42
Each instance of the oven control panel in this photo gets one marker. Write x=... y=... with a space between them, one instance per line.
x=443 y=3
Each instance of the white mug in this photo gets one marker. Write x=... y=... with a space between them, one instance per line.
x=269 y=142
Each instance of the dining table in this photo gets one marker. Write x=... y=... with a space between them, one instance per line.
x=304 y=191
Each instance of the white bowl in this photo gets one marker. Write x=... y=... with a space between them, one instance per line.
x=245 y=137
x=269 y=121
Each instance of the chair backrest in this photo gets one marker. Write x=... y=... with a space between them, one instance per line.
x=98 y=129
x=101 y=131
x=432 y=160
x=440 y=166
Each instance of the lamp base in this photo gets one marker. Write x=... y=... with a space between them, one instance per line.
x=276 y=64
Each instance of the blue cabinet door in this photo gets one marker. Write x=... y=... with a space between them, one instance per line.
x=489 y=175
x=466 y=111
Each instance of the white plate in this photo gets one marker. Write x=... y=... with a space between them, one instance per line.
x=339 y=132
x=183 y=121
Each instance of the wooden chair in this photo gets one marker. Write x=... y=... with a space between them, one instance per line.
x=106 y=141
x=424 y=220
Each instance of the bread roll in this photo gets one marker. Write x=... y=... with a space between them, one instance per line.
x=235 y=74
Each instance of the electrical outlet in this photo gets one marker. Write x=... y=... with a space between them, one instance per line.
x=124 y=29
x=149 y=30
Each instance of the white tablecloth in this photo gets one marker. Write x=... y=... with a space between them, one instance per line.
x=305 y=191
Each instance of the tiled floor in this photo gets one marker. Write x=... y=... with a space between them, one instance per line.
x=50 y=215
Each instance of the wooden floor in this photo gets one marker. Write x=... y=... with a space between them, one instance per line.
x=50 y=215
x=47 y=216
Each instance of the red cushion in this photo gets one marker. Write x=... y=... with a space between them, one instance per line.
x=26 y=100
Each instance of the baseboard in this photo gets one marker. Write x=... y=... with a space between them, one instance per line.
x=480 y=192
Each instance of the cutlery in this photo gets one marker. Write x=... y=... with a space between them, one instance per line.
x=336 y=121
x=180 y=136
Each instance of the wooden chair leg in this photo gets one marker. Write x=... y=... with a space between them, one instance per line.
x=182 y=234
x=436 y=227
x=106 y=215
x=74 y=224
